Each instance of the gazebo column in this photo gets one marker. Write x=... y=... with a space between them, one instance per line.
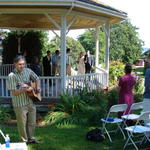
x=63 y=53
x=97 y=49
x=107 y=38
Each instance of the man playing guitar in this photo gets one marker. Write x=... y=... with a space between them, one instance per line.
x=23 y=105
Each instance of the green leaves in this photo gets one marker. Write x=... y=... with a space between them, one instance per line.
x=116 y=70
x=87 y=40
x=4 y=115
x=33 y=42
x=125 y=44
x=86 y=108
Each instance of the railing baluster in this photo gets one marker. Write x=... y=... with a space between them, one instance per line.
x=44 y=80
x=74 y=84
x=56 y=83
x=2 y=87
x=52 y=85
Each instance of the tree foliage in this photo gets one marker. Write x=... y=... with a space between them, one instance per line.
x=125 y=44
x=74 y=45
x=116 y=70
x=33 y=42
x=88 y=39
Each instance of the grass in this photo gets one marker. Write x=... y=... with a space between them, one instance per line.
x=66 y=137
x=69 y=137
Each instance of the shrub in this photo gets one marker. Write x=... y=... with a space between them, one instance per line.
x=139 y=86
x=116 y=70
x=70 y=104
x=55 y=117
x=139 y=90
x=86 y=108
x=4 y=114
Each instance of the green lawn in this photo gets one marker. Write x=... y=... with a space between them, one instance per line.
x=70 y=137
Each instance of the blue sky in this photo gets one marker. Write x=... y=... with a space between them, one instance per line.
x=138 y=13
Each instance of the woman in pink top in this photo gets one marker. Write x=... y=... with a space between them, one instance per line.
x=126 y=84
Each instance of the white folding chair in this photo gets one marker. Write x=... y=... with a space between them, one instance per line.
x=138 y=129
x=114 y=120
x=133 y=116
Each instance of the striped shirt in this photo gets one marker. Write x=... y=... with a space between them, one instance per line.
x=16 y=78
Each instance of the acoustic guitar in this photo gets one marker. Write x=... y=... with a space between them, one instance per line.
x=34 y=94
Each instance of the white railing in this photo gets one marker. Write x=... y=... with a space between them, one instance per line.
x=101 y=70
x=3 y=87
x=6 y=69
x=51 y=86
x=93 y=81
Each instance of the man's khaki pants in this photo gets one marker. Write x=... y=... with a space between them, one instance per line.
x=26 y=121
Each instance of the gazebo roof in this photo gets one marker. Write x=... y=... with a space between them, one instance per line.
x=43 y=14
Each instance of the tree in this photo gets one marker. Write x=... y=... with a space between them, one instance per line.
x=74 y=45
x=125 y=44
x=88 y=39
x=33 y=42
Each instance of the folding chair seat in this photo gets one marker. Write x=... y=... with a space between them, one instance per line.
x=134 y=115
x=114 y=120
x=138 y=129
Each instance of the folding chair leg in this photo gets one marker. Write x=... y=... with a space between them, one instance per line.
x=145 y=138
x=107 y=133
x=121 y=131
x=131 y=142
x=126 y=143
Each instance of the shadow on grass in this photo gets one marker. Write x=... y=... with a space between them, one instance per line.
x=69 y=137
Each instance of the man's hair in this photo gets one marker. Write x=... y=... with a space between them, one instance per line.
x=18 y=58
x=128 y=68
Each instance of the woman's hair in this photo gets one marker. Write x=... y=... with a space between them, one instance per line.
x=18 y=58
x=128 y=68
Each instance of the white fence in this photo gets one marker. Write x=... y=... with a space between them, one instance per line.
x=93 y=81
x=51 y=86
x=6 y=69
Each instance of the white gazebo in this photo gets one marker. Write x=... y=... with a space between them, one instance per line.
x=62 y=15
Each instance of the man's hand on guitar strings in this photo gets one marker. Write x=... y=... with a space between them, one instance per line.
x=38 y=90
x=29 y=89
